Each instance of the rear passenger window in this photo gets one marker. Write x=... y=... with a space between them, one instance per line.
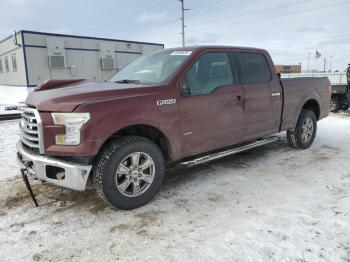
x=253 y=68
x=209 y=72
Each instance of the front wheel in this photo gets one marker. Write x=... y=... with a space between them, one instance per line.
x=129 y=172
x=305 y=131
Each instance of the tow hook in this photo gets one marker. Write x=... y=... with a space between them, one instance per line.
x=26 y=181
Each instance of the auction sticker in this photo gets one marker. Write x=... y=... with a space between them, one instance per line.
x=181 y=53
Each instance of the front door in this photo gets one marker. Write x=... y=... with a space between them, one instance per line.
x=211 y=111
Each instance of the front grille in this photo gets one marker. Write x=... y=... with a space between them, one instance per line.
x=31 y=130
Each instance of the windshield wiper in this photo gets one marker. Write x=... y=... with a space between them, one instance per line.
x=128 y=81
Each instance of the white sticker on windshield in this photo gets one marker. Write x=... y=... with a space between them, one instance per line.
x=181 y=53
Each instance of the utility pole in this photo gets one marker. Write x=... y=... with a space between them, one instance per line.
x=324 y=64
x=183 y=9
x=330 y=64
x=308 y=63
x=315 y=61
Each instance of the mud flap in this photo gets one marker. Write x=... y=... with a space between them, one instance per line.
x=26 y=181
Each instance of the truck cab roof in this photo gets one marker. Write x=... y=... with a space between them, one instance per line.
x=204 y=47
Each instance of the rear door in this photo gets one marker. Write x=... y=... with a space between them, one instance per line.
x=212 y=110
x=262 y=94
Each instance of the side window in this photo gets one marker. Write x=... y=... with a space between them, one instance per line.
x=7 y=67
x=14 y=62
x=253 y=68
x=208 y=72
x=1 y=69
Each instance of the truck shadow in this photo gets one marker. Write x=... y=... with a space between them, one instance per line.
x=180 y=175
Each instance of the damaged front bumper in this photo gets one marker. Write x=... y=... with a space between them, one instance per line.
x=54 y=171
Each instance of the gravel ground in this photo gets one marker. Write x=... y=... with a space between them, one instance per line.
x=272 y=203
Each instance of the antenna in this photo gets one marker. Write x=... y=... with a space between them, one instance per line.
x=15 y=41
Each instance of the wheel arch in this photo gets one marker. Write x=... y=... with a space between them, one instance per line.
x=146 y=131
x=313 y=105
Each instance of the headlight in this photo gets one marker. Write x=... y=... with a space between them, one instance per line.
x=73 y=122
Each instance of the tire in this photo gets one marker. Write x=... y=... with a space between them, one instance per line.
x=344 y=104
x=334 y=104
x=304 y=133
x=344 y=107
x=121 y=185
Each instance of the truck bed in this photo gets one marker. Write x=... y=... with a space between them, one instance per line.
x=296 y=91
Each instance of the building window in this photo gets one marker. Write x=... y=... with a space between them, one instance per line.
x=1 y=70
x=7 y=67
x=14 y=62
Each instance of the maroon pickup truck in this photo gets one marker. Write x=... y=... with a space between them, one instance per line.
x=183 y=105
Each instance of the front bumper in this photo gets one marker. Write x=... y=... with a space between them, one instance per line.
x=71 y=175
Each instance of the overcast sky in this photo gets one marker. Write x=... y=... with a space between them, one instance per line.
x=288 y=29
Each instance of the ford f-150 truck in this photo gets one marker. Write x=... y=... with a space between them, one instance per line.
x=182 y=105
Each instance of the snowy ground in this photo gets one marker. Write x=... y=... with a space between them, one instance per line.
x=273 y=203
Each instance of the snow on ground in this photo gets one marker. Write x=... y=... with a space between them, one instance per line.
x=272 y=203
x=11 y=95
x=9 y=134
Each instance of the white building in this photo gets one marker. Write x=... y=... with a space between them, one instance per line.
x=28 y=58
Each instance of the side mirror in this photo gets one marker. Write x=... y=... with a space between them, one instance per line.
x=185 y=88
x=279 y=75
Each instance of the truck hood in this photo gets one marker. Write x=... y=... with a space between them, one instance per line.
x=66 y=95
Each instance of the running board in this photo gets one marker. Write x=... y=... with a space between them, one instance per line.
x=228 y=152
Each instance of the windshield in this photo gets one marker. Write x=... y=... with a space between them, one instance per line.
x=155 y=68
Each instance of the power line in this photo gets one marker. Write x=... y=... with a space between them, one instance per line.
x=168 y=21
x=222 y=7
x=262 y=18
x=215 y=3
x=279 y=15
x=266 y=9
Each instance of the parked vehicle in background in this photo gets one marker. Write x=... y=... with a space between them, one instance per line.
x=183 y=105
x=340 y=99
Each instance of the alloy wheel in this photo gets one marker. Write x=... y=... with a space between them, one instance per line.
x=135 y=174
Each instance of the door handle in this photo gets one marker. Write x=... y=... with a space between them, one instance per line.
x=237 y=100
x=275 y=94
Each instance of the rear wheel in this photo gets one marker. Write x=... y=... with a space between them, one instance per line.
x=344 y=104
x=129 y=172
x=334 y=104
x=305 y=131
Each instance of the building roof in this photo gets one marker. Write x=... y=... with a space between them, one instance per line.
x=81 y=37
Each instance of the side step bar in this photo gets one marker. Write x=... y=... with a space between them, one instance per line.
x=228 y=152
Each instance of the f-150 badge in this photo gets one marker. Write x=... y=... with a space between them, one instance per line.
x=166 y=102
